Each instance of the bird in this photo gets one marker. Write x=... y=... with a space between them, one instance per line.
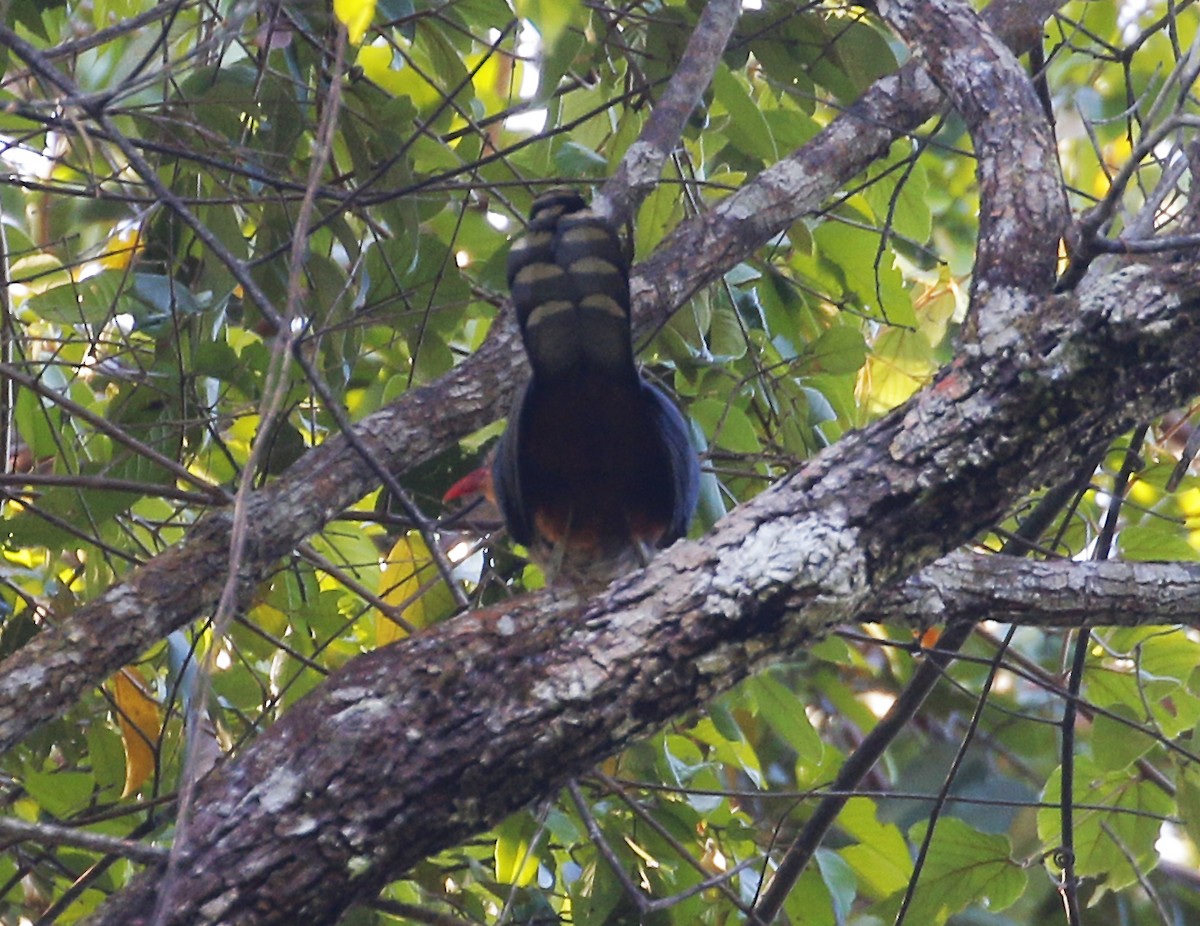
x=595 y=471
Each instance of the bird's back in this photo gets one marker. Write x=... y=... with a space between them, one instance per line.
x=595 y=469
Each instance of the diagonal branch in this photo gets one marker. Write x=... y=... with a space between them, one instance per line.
x=1023 y=205
x=183 y=583
x=412 y=748
x=1023 y=213
x=699 y=251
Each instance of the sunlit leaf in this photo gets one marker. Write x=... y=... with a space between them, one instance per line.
x=410 y=582
x=1116 y=830
x=964 y=866
x=879 y=855
x=140 y=720
x=356 y=16
x=516 y=862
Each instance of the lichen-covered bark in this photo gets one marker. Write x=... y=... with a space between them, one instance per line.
x=966 y=587
x=42 y=680
x=412 y=748
x=1020 y=183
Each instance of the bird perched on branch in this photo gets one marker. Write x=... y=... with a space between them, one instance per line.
x=594 y=471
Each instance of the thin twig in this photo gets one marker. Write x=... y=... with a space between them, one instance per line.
x=643 y=162
x=53 y=834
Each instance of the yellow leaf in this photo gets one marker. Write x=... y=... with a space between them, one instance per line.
x=376 y=63
x=516 y=862
x=121 y=250
x=410 y=582
x=141 y=725
x=380 y=67
x=355 y=15
x=900 y=363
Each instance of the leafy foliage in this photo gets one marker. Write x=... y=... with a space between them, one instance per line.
x=150 y=378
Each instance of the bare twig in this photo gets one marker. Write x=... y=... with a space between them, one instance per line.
x=53 y=834
x=643 y=162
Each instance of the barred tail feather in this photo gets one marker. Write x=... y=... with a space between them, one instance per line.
x=570 y=285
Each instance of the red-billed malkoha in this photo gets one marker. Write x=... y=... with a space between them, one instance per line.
x=595 y=470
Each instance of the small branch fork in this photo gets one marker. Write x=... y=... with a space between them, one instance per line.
x=184 y=582
x=1023 y=205
x=642 y=164
x=262 y=781
x=1023 y=212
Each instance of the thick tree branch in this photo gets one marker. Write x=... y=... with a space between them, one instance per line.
x=182 y=584
x=469 y=722
x=1022 y=214
x=965 y=587
x=700 y=250
x=1023 y=206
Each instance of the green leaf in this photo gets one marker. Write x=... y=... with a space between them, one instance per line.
x=29 y=14
x=1168 y=654
x=1119 y=828
x=879 y=856
x=1154 y=540
x=1117 y=745
x=575 y=160
x=597 y=895
x=559 y=53
x=964 y=866
x=682 y=759
x=751 y=132
x=60 y=793
x=860 y=56
x=658 y=214
x=840 y=349
x=1187 y=783
x=785 y=51
x=869 y=277
x=160 y=298
x=840 y=880
x=726 y=338
x=783 y=710
x=90 y=301
x=811 y=901
x=901 y=198
x=550 y=17
x=727 y=425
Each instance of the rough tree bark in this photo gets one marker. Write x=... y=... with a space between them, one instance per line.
x=964 y=587
x=297 y=826
x=413 y=748
x=42 y=680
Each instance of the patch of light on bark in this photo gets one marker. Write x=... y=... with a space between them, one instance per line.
x=819 y=553
x=280 y=789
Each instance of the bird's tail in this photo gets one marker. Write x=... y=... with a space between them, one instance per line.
x=570 y=285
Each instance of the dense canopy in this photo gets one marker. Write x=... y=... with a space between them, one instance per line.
x=921 y=279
